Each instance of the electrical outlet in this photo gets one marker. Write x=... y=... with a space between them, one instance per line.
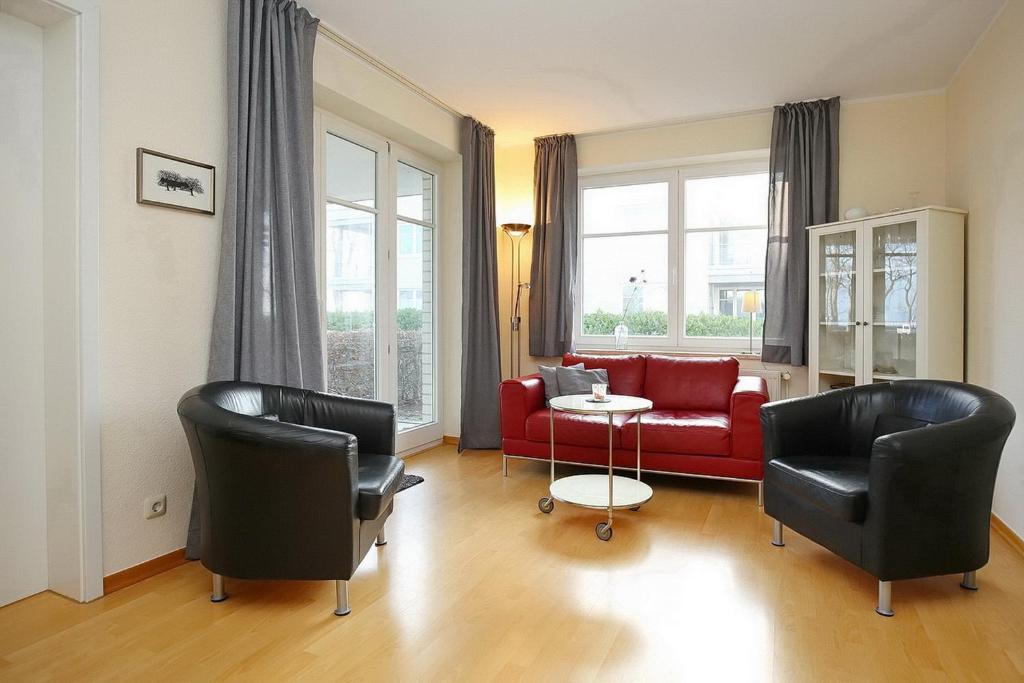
x=156 y=506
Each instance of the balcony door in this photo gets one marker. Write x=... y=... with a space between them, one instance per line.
x=377 y=251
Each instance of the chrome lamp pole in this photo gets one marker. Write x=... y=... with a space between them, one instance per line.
x=516 y=232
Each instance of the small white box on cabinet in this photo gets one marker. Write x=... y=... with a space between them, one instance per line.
x=886 y=298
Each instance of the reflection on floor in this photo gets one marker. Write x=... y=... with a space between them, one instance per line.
x=475 y=584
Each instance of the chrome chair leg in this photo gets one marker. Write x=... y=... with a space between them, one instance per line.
x=341 y=586
x=885 y=599
x=777 y=534
x=760 y=494
x=218 y=589
x=969 y=581
x=504 y=465
x=381 y=538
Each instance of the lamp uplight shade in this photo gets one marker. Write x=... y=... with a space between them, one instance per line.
x=751 y=303
x=516 y=229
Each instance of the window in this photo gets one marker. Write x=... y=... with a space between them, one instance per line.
x=377 y=243
x=670 y=254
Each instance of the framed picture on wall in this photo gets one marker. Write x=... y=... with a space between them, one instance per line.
x=174 y=182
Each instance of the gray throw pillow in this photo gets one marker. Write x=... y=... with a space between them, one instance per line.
x=577 y=381
x=547 y=373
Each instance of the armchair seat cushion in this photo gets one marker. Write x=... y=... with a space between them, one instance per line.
x=697 y=432
x=379 y=477
x=837 y=485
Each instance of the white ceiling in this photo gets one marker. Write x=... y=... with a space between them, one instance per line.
x=532 y=67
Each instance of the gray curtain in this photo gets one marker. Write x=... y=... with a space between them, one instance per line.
x=804 y=190
x=553 y=270
x=266 y=325
x=481 y=364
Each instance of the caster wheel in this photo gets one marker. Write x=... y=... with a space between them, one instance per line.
x=604 y=532
x=546 y=505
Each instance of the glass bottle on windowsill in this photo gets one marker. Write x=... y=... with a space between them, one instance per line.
x=621 y=337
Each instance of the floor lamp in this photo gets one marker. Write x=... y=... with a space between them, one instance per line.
x=516 y=232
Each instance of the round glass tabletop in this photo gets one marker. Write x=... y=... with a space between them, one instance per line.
x=616 y=403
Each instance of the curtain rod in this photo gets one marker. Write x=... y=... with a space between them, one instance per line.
x=362 y=54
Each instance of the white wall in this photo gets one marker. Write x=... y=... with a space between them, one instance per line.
x=23 y=541
x=986 y=177
x=163 y=86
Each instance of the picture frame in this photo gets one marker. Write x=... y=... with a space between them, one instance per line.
x=174 y=182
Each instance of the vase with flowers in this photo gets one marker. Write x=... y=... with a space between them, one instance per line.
x=621 y=331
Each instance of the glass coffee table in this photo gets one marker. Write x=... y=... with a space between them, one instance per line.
x=598 y=491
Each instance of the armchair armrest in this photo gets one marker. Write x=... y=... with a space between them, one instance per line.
x=371 y=422
x=801 y=426
x=748 y=395
x=933 y=485
x=518 y=398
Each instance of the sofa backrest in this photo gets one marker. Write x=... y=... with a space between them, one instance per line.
x=625 y=373
x=686 y=383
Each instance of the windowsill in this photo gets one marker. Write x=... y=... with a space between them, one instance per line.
x=740 y=355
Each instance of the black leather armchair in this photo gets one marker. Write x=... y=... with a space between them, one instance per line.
x=292 y=484
x=897 y=477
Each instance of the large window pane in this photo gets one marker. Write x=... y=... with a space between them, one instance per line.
x=721 y=268
x=625 y=208
x=351 y=294
x=415 y=193
x=727 y=201
x=351 y=172
x=625 y=279
x=416 y=399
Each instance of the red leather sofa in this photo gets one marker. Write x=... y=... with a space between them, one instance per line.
x=705 y=422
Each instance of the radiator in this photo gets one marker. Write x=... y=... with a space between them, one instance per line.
x=777 y=380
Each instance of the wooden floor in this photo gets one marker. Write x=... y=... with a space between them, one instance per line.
x=476 y=584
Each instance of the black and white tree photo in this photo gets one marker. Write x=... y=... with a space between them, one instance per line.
x=173 y=182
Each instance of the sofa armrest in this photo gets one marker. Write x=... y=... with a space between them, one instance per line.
x=519 y=398
x=745 y=418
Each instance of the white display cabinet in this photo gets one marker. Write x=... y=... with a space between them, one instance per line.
x=886 y=298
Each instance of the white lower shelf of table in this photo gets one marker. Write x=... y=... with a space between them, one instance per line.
x=591 y=491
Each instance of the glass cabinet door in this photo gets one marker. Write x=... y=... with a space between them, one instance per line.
x=894 y=300
x=837 y=306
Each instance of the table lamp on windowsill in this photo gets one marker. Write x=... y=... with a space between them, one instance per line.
x=751 y=305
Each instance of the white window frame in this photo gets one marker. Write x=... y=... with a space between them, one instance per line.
x=675 y=173
x=389 y=154
x=430 y=431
